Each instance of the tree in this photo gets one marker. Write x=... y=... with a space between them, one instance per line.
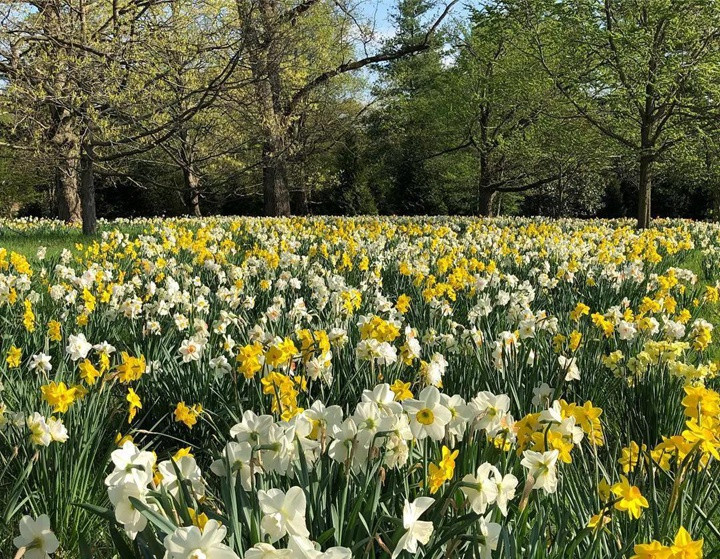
x=407 y=125
x=504 y=104
x=284 y=47
x=94 y=80
x=639 y=72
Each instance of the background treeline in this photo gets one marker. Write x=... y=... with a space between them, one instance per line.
x=561 y=108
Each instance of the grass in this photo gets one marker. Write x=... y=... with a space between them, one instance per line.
x=28 y=244
x=693 y=261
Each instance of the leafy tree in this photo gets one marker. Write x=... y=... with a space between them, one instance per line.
x=96 y=82
x=408 y=127
x=295 y=52
x=640 y=72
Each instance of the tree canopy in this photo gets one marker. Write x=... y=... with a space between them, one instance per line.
x=576 y=107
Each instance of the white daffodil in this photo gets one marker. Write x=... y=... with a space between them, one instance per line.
x=40 y=434
x=303 y=548
x=435 y=369
x=283 y=513
x=489 y=410
x=78 y=347
x=132 y=519
x=416 y=530
x=490 y=532
x=220 y=366
x=344 y=437
x=281 y=440
x=238 y=456
x=191 y=350
x=267 y=551
x=323 y=418
x=189 y=542
x=552 y=415
x=36 y=537
x=132 y=465
x=626 y=330
x=505 y=491
x=428 y=417
x=569 y=366
x=40 y=363
x=253 y=428
x=384 y=398
x=481 y=489
x=541 y=466
x=542 y=395
x=370 y=421
x=57 y=429
x=461 y=414
x=189 y=472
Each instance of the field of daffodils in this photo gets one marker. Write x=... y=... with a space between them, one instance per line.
x=328 y=388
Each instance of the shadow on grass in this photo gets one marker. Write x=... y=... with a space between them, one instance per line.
x=28 y=242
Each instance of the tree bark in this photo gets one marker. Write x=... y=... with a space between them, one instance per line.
x=192 y=188
x=66 y=190
x=264 y=36
x=67 y=154
x=558 y=210
x=644 y=193
x=87 y=192
x=486 y=202
x=299 y=199
x=275 y=190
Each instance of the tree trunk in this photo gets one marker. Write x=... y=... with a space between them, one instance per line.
x=87 y=192
x=644 y=193
x=485 y=196
x=67 y=154
x=275 y=190
x=66 y=190
x=711 y=182
x=260 y=27
x=192 y=187
x=486 y=202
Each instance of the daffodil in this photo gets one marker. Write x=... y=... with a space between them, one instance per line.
x=630 y=498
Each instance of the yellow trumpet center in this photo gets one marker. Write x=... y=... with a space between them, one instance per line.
x=425 y=416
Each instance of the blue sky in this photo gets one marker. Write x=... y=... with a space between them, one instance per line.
x=381 y=11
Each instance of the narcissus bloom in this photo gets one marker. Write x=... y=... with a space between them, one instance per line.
x=88 y=372
x=401 y=390
x=187 y=414
x=36 y=537
x=541 y=466
x=283 y=513
x=14 y=357
x=428 y=417
x=631 y=500
x=131 y=368
x=267 y=551
x=132 y=465
x=192 y=543
x=134 y=404
x=416 y=530
x=78 y=347
x=481 y=489
x=59 y=396
x=684 y=547
x=652 y=550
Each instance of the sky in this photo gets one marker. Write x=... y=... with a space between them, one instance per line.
x=381 y=11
